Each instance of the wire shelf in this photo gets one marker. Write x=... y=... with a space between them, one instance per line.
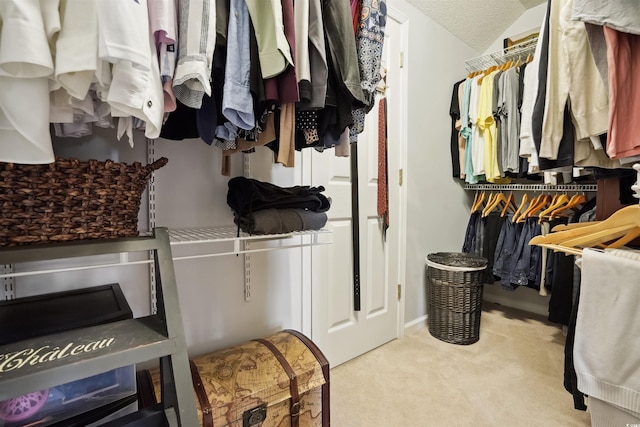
x=227 y=234
x=520 y=50
x=533 y=187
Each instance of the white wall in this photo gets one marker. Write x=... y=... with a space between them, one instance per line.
x=437 y=210
x=529 y=20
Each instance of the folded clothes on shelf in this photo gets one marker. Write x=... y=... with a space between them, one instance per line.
x=274 y=221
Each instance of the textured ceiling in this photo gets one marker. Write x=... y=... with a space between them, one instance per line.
x=478 y=23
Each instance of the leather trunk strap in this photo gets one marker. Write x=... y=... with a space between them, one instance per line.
x=324 y=364
x=293 y=381
x=201 y=393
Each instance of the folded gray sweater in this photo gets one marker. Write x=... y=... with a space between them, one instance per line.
x=275 y=221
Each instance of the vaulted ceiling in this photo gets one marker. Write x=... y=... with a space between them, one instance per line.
x=476 y=22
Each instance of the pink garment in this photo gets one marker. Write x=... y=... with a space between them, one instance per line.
x=623 y=57
x=162 y=21
x=356 y=8
x=163 y=25
x=287 y=80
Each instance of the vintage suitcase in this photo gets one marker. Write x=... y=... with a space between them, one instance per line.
x=282 y=380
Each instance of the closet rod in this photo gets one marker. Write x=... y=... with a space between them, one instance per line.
x=532 y=187
x=503 y=55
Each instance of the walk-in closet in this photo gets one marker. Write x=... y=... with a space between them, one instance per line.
x=232 y=212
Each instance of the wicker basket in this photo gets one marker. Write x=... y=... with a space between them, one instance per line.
x=71 y=199
x=454 y=296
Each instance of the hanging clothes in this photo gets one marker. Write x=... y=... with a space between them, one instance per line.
x=623 y=55
x=454 y=113
x=369 y=43
x=196 y=43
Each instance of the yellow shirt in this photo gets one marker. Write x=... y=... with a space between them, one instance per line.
x=487 y=126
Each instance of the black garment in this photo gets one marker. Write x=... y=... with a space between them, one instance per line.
x=561 y=300
x=570 y=378
x=497 y=117
x=565 y=149
x=181 y=123
x=492 y=226
x=454 y=112
x=538 y=106
x=590 y=204
x=506 y=256
x=470 y=233
x=246 y=195
x=523 y=67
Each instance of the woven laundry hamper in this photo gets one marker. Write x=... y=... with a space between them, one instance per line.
x=454 y=296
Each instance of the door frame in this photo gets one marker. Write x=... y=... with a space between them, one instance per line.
x=403 y=20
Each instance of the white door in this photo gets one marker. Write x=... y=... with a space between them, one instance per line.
x=341 y=332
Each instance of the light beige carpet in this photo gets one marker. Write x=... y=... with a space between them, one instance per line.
x=511 y=377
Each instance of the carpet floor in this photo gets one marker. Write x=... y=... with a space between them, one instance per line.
x=511 y=377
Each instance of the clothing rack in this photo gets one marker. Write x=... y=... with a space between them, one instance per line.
x=520 y=50
x=536 y=187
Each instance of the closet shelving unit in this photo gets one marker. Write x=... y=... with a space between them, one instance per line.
x=225 y=234
x=213 y=240
x=158 y=336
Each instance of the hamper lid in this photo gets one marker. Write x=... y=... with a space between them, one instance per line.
x=456 y=261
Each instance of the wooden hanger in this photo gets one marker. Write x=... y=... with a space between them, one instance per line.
x=495 y=202
x=523 y=203
x=540 y=202
x=576 y=199
x=522 y=214
x=518 y=62
x=558 y=202
x=630 y=236
x=475 y=199
x=620 y=224
x=478 y=202
x=509 y=205
x=486 y=73
x=544 y=202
